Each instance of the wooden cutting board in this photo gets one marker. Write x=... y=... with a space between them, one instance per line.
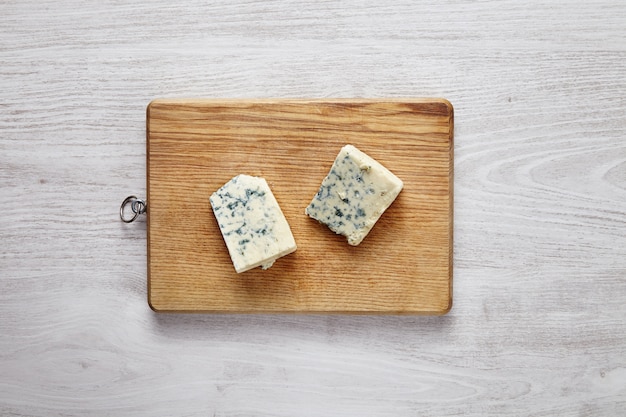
x=404 y=266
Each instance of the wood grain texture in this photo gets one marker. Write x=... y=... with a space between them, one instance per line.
x=537 y=327
x=196 y=146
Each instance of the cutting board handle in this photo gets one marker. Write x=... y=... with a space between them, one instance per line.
x=137 y=206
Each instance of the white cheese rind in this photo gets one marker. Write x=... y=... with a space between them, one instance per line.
x=354 y=194
x=252 y=224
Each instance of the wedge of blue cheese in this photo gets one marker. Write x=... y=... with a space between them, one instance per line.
x=252 y=224
x=354 y=194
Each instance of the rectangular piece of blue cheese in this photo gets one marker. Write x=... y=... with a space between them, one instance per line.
x=252 y=224
x=354 y=194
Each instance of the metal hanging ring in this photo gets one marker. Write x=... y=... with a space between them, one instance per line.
x=137 y=206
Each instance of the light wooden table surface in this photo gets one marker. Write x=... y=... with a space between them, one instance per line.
x=538 y=326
